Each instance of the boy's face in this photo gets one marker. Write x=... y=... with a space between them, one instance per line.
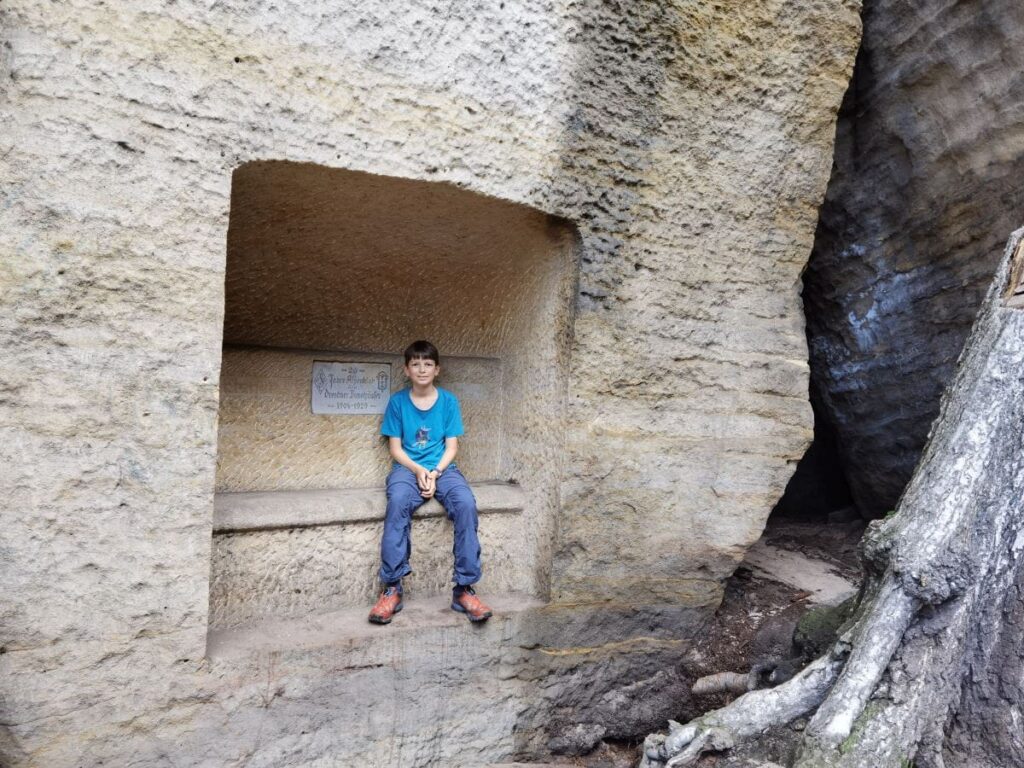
x=422 y=371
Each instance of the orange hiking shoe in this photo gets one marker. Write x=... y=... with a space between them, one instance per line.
x=468 y=603
x=388 y=604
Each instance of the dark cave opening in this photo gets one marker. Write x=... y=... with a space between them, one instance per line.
x=818 y=490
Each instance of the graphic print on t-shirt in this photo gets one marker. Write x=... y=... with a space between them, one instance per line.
x=422 y=436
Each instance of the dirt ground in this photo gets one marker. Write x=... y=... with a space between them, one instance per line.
x=756 y=617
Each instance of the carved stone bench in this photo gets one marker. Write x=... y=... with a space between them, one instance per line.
x=267 y=510
x=283 y=555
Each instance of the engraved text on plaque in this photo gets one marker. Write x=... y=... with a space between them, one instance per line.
x=360 y=388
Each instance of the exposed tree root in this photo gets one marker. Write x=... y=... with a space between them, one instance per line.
x=748 y=716
x=724 y=682
x=873 y=642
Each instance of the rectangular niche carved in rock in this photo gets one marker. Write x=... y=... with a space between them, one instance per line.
x=333 y=265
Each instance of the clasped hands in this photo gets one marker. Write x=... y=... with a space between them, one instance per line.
x=427 y=481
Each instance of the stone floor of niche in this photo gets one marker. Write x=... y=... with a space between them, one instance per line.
x=351 y=624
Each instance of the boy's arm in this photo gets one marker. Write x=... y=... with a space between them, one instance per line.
x=451 y=447
x=452 y=430
x=423 y=478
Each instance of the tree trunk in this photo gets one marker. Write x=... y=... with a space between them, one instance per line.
x=927 y=672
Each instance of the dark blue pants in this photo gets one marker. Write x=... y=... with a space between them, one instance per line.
x=404 y=498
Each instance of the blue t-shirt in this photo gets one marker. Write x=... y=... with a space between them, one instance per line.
x=422 y=432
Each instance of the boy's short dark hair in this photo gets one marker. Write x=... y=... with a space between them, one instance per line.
x=422 y=350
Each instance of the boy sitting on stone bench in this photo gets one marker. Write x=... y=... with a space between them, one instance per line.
x=423 y=424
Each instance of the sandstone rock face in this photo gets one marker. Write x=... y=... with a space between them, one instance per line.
x=930 y=145
x=676 y=401
x=688 y=143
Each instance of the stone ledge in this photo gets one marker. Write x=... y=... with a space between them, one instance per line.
x=267 y=510
x=350 y=626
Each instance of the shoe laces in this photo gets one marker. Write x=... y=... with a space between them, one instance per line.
x=389 y=591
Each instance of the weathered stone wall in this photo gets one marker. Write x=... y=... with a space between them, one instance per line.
x=689 y=373
x=930 y=147
x=690 y=143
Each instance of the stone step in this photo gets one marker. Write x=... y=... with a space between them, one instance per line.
x=350 y=628
x=823 y=583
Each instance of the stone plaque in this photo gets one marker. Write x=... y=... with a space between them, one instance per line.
x=360 y=388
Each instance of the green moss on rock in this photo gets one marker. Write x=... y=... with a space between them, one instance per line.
x=817 y=629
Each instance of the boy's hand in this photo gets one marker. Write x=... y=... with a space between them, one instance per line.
x=425 y=480
x=431 y=488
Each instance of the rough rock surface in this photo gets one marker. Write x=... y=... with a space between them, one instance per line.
x=929 y=154
x=690 y=143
